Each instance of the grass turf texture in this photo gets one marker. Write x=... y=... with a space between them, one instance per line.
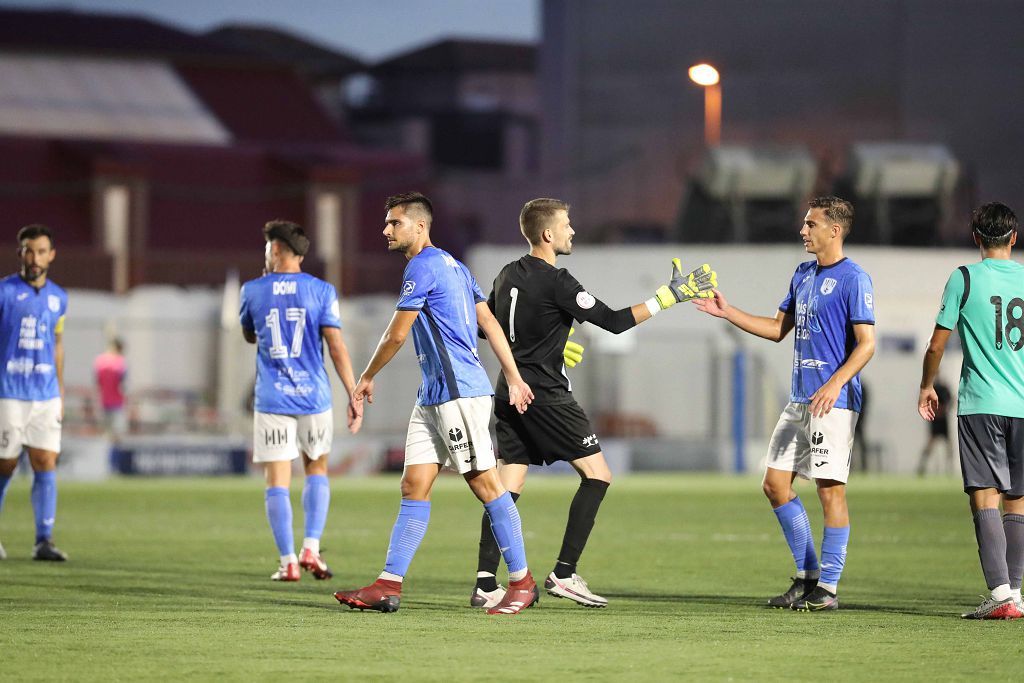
x=169 y=578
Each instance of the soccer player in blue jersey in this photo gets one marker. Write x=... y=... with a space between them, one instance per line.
x=830 y=303
x=289 y=315
x=443 y=307
x=32 y=309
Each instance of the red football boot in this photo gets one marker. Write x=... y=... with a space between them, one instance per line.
x=314 y=564
x=520 y=595
x=381 y=595
x=287 y=572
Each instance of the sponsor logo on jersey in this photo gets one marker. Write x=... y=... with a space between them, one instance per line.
x=828 y=285
x=585 y=300
x=813 y=364
x=408 y=287
x=590 y=440
x=53 y=302
x=286 y=287
x=869 y=301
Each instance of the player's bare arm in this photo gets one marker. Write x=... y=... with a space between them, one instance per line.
x=928 y=399
x=343 y=367
x=824 y=399
x=774 y=329
x=58 y=361
x=519 y=393
x=393 y=338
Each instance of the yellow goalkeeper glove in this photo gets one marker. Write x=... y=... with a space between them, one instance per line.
x=694 y=285
x=573 y=352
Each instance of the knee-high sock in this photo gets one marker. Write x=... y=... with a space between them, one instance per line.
x=44 y=503
x=316 y=499
x=489 y=556
x=796 y=527
x=4 y=481
x=582 y=513
x=833 y=556
x=1013 y=529
x=988 y=528
x=508 y=532
x=408 y=532
x=279 y=514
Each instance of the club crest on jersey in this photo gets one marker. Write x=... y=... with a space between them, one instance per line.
x=53 y=302
x=828 y=285
x=585 y=300
x=408 y=287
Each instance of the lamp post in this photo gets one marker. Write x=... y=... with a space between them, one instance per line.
x=706 y=76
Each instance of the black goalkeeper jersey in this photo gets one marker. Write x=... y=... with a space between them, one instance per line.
x=536 y=304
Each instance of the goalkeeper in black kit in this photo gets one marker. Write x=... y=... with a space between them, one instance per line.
x=536 y=304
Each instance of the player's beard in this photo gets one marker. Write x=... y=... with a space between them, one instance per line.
x=32 y=273
x=564 y=249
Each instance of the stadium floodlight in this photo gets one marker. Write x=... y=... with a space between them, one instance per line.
x=707 y=77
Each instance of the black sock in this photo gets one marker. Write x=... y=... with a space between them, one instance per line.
x=988 y=527
x=1013 y=529
x=490 y=556
x=582 y=514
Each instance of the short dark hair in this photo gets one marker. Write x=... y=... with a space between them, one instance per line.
x=836 y=209
x=536 y=213
x=118 y=344
x=34 y=230
x=994 y=224
x=415 y=199
x=290 y=234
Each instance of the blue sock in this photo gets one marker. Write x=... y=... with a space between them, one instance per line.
x=44 y=503
x=279 y=513
x=797 y=529
x=4 y=481
x=508 y=531
x=833 y=556
x=316 y=499
x=408 y=532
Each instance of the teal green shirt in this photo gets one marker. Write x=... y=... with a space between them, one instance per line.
x=990 y=321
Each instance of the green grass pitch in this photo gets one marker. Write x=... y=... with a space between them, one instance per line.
x=170 y=579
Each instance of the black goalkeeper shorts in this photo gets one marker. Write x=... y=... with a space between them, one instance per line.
x=543 y=434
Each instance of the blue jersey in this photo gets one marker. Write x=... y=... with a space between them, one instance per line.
x=826 y=302
x=445 y=293
x=286 y=312
x=30 y=320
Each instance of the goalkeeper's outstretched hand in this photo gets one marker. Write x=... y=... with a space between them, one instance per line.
x=573 y=352
x=697 y=284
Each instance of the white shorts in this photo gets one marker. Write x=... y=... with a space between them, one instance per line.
x=813 y=447
x=282 y=437
x=32 y=424
x=452 y=434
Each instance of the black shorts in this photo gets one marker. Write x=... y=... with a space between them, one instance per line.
x=543 y=434
x=992 y=452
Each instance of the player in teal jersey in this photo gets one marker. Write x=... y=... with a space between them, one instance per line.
x=985 y=303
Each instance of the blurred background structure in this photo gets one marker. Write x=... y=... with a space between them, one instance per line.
x=156 y=138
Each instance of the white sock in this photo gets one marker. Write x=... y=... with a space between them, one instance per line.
x=1002 y=592
x=484 y=575
x=311 y=544
x=828 y=586
x=808 y=574
x=516 y=576
x=388 y=576
x=289 y=559
x=1015 y=592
